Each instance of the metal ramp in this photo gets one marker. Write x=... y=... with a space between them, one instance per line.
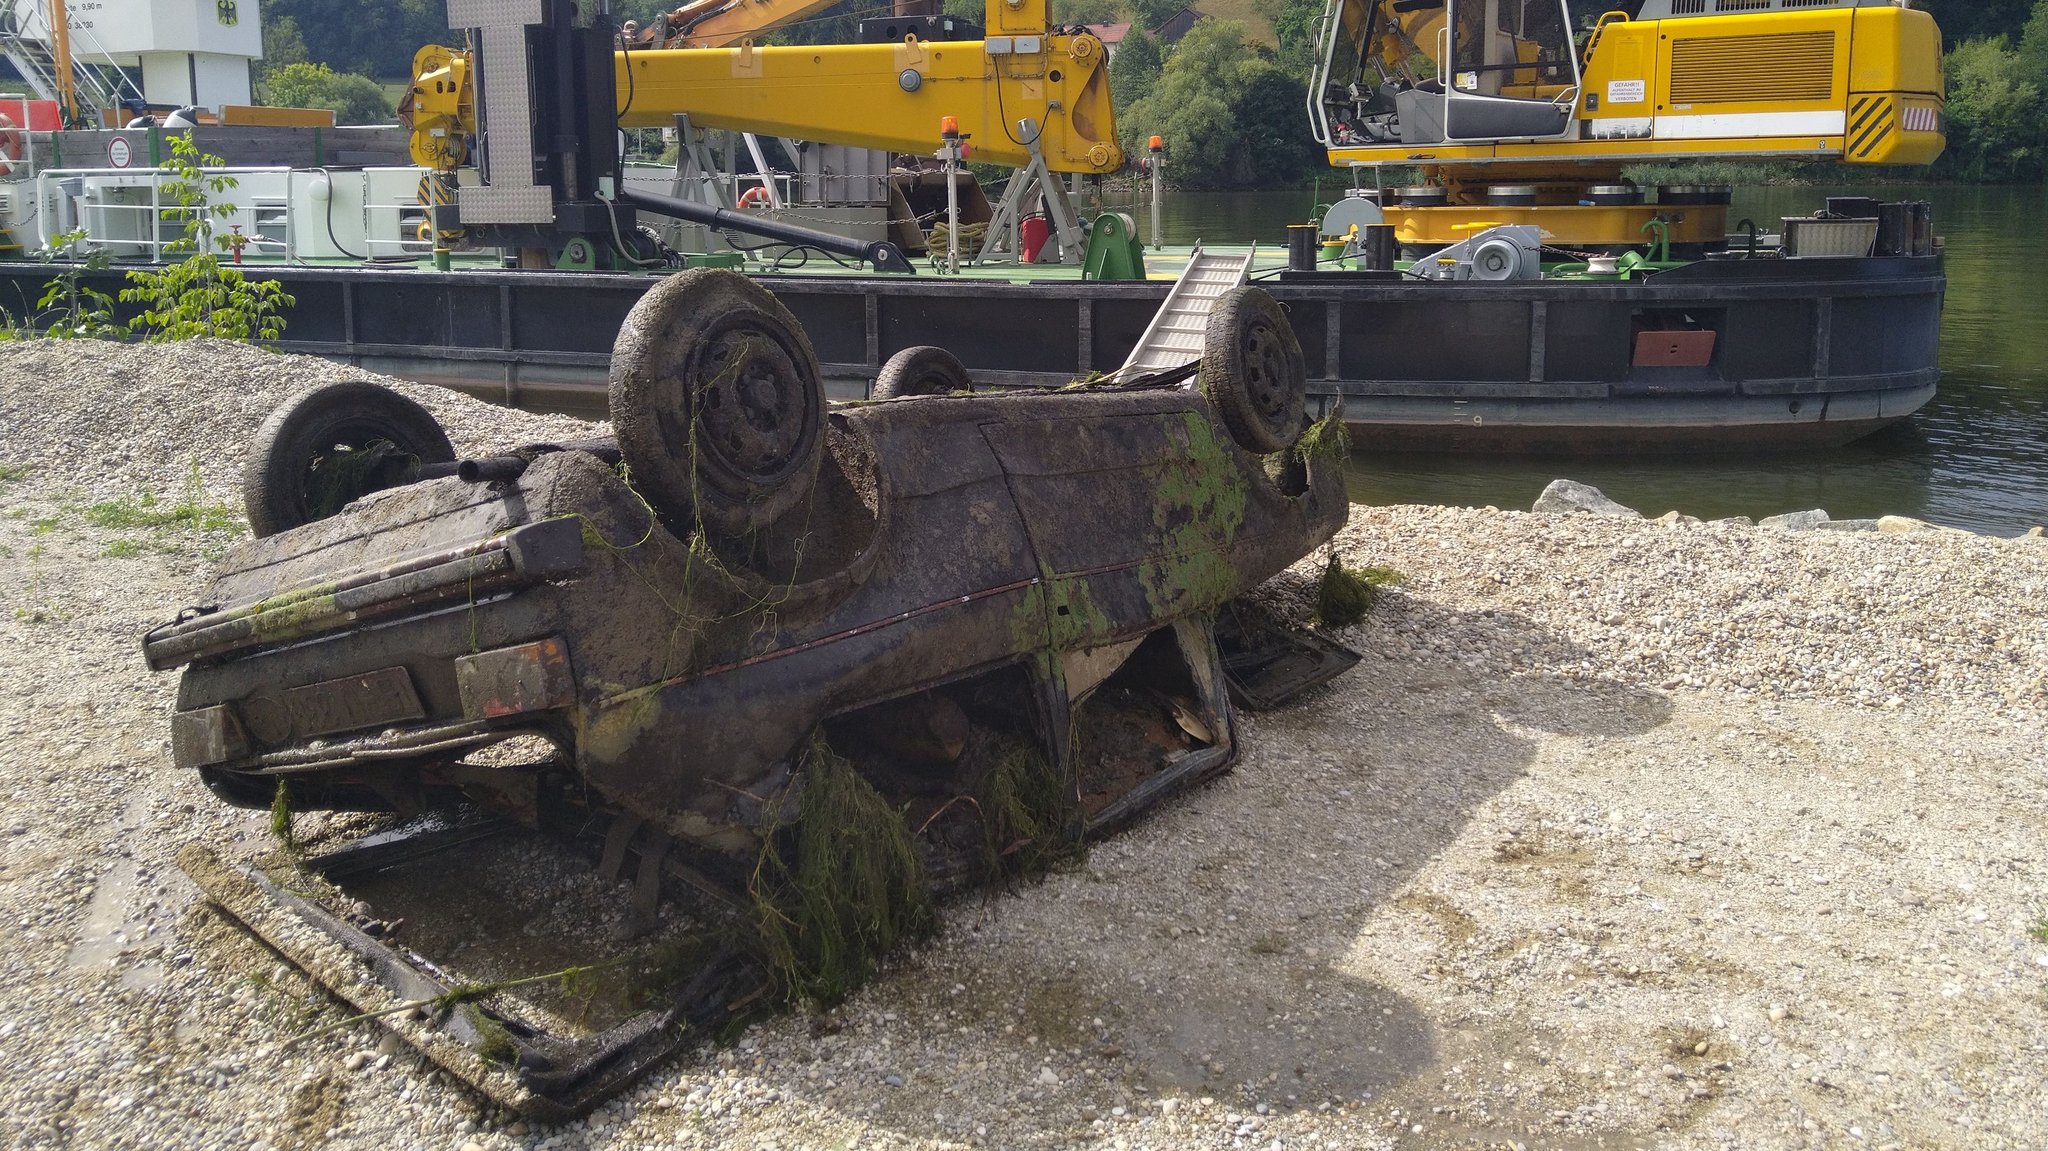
x=1174 y=337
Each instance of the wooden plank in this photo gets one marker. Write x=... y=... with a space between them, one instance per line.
x=257 y=115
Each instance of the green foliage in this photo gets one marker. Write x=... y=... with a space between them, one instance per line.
x=199 y=297
x=1089 y=12
x=281 y=819
x=854 y=889
x=68 y=309
x=1996 y=117
x=12 y=472
x=354 y=99
x=1344 y=594
x=282 y=45
x=1150 y=14
x=2033 y=49
x=373 y=37
x=1963 y=20
x=1293 y=24
x=1031 y=816
x=148 y=512
x=1134 y=70
x=1231 y=117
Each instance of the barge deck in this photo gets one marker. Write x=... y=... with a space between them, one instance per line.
x=1803 y=353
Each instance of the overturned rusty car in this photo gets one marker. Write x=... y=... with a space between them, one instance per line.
x=934 y=588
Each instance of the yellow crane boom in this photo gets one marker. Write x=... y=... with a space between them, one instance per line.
x=887 y=96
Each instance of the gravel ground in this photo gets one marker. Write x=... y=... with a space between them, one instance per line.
x=1625 y=834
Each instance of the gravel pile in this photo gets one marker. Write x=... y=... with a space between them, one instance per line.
x=1624 y=834
x=117 y=420
x=1863 y=619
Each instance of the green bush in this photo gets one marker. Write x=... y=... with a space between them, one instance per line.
x=1996 y=119
x=1230 y=116
x=354 y=99
x=199 y=296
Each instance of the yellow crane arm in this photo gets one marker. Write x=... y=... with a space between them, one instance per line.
x=890 y=96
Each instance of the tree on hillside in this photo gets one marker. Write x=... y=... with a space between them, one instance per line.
x=1996 y=117
x=1963 y=20
x=354 y=99
x=282 y=44
x=1150 y=14
x=2033 y=50
x=1087 y=12
x=1274 y=144
x=373 y=37
x=1293 y=24
x=1134 y=70
x=1231 y=117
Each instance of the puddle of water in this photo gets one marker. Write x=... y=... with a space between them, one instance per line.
x=111 y=924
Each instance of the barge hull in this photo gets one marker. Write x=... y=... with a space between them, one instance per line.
x=1802 y=353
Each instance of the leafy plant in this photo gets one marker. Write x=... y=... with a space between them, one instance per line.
x=68 y=309
x=199 y=297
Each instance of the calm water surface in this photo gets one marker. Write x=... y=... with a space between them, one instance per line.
x=1976 y=457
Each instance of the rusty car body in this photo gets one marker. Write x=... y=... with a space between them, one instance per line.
x=1038 y=567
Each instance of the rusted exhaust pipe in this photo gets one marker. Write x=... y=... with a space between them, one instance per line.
x=491 y=468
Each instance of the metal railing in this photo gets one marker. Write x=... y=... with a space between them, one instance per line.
x=150 y=222
x=26 y=43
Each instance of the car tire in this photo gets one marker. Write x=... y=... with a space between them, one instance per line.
x=306 y=464
x=717 y=402
x=922 y=371
x=1252 y=370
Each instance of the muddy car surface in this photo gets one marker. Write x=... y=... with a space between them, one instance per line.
x=934 y=588
x=1046 y=537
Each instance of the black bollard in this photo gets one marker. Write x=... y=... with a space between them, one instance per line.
x=1302 y=242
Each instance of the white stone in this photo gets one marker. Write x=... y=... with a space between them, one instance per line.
x=1573 y=497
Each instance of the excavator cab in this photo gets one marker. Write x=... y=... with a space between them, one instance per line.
x=1420 y=72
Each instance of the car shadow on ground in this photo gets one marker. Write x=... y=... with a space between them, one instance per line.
x=1208 y=951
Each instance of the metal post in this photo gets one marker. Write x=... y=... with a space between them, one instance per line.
x=949 y=156
x=1158 y=148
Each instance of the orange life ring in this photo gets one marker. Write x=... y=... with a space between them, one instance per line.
x=10 y=144
x=754 y=197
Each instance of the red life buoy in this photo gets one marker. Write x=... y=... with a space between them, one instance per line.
x=755 y=197
x=10 y=144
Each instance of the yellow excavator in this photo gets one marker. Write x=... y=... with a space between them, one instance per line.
x=1525 y=112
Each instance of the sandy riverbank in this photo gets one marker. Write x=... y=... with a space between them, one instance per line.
x=1624 y=834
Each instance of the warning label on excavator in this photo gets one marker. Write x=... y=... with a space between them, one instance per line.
x=1627 y=91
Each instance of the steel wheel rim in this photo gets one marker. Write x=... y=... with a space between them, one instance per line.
x=753 y=407
x=1267 y=373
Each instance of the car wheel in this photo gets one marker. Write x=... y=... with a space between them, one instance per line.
x=922 y=371
x=717 y=401
x=1252 y=370
x=327 y=447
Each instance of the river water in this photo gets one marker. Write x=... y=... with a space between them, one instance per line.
x=1976 y=457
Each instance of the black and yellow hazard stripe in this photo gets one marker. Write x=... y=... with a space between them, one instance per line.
x=1872 y=120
